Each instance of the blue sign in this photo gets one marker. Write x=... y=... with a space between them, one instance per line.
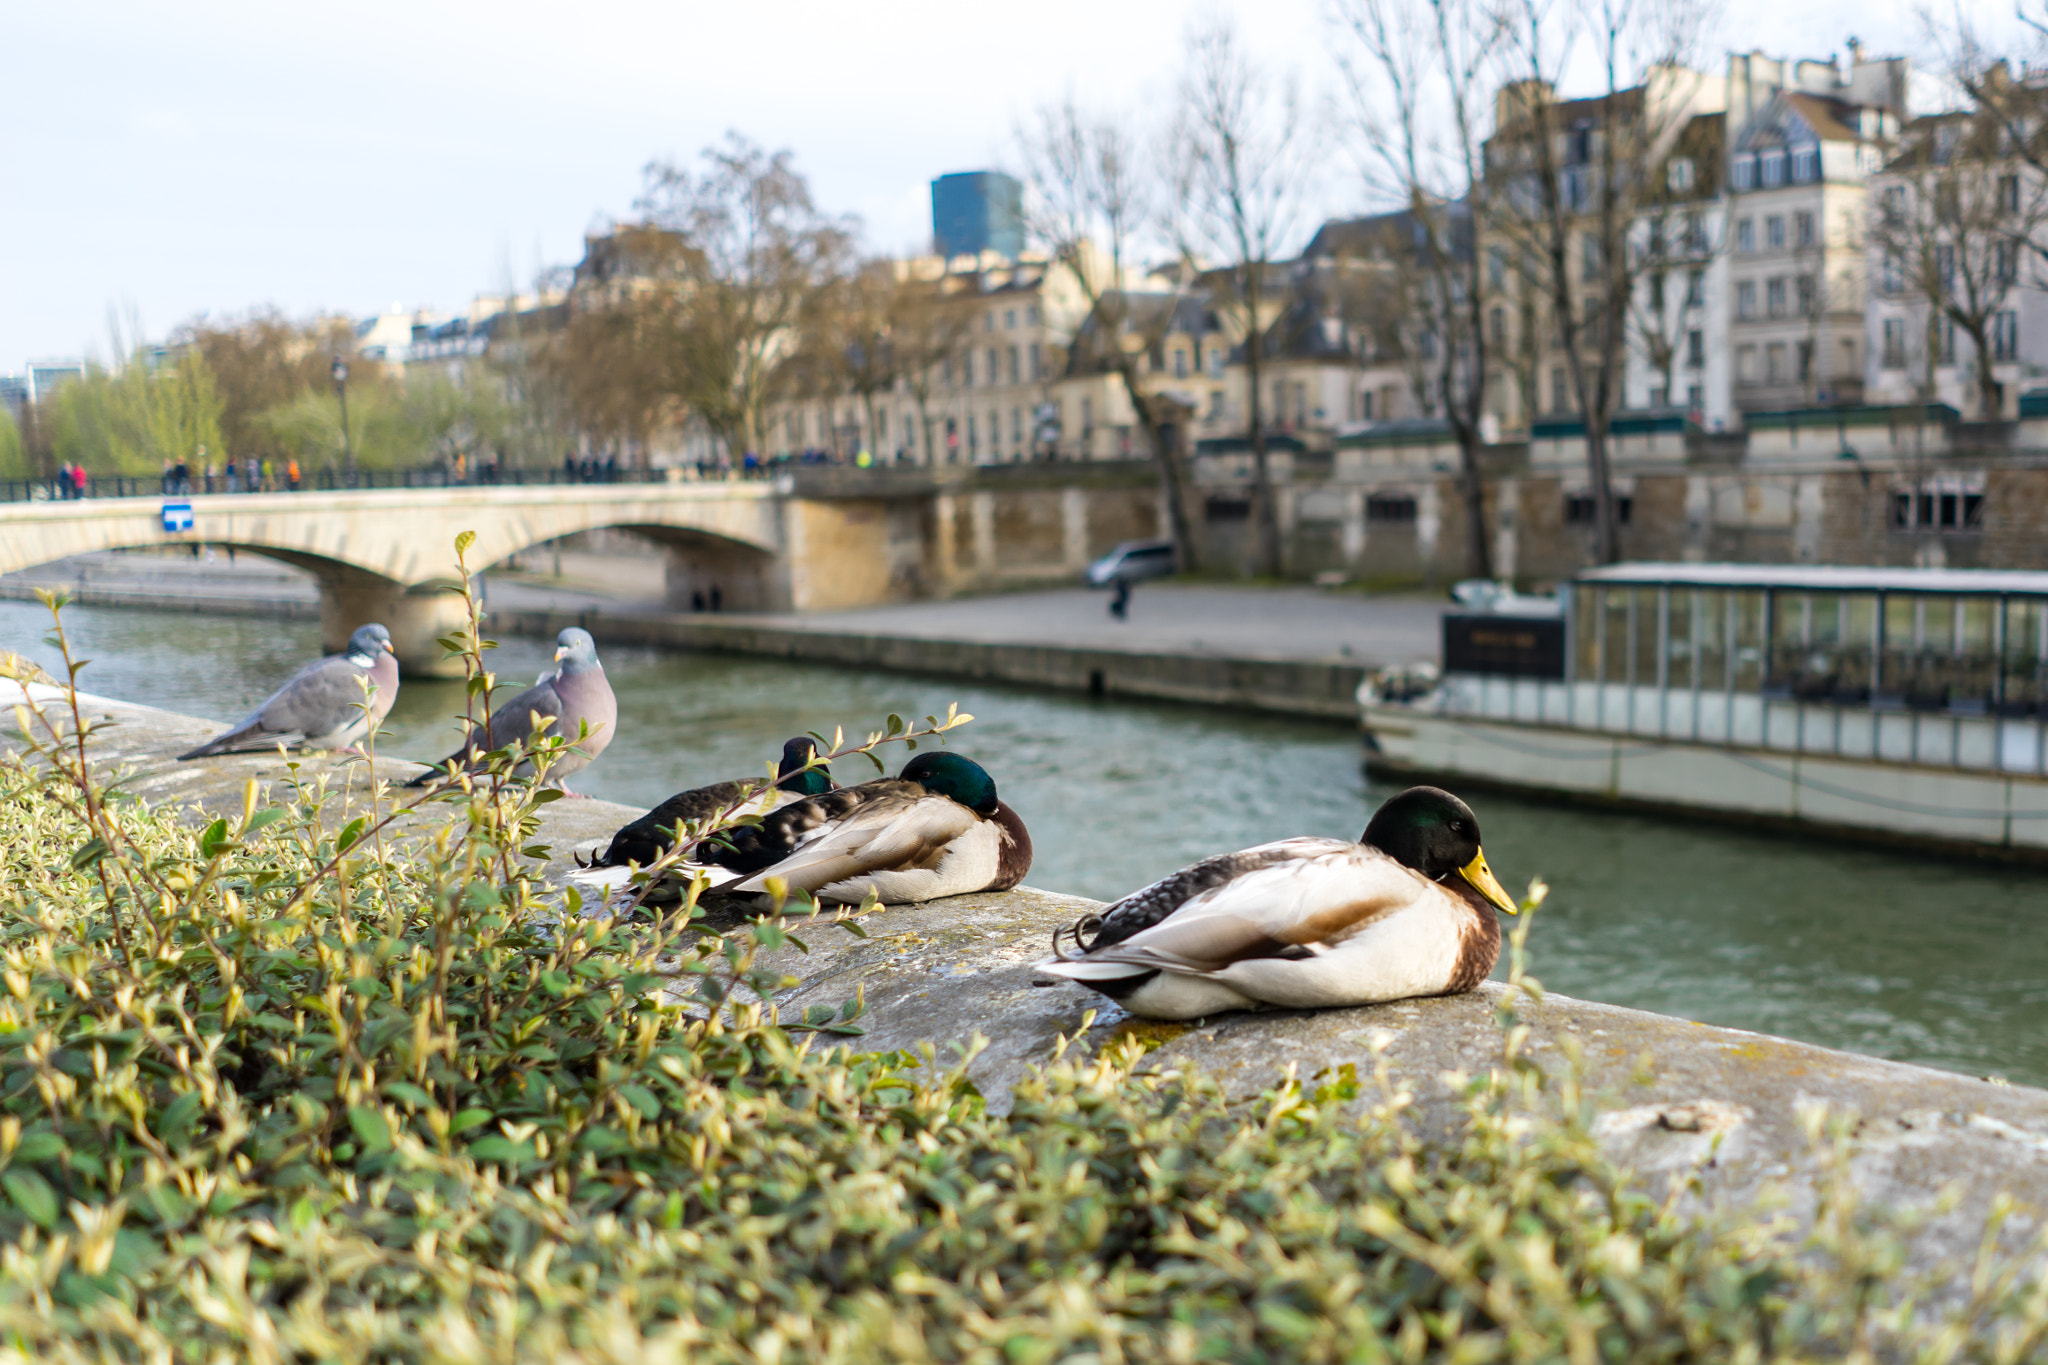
x=177 y=516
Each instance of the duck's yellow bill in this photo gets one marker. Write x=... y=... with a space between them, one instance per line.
x=1481 y=876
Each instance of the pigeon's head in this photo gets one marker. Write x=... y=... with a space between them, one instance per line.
x=575 y=650
x=370 y=641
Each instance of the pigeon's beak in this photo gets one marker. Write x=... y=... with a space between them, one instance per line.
x=559 y=653
x=388 y=649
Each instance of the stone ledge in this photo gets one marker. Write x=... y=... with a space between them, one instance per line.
x=1667 y=1096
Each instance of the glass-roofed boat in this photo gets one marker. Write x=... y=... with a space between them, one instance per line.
x=1906 y=703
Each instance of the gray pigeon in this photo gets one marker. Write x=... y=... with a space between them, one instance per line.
x=321 y=705
x=574 y=692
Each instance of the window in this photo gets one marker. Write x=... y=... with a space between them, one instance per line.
x=1390 y=507
x=1945 y=341
x=1365 y=405
x=973 y=444
x=1695 y=288
x=1225 y=508
x=1695 y=350
x=1771 y=167
x=1945 y=266
x=1774 y=232
x=1952 y=504
x=946 y=371
x=1774 y=298
x=1574 y=188
x=1802 y=359
x=1891 y=278
x=1892 y=204
x=1745 y=235
x=988 y=323
x=967 y=370
x=1657 y=239
x=1805 y=164
x=2005 y=336
x=1560 y=390
x=1017 y=426
x=1657 y=292
x=1745 y=172
x=1745 y=299
x=1678 y=175
x=1802 y=228
x=1774 y=363
x=1087 y=417
x=1037 y=362
x=1695 y=397
x=1031 y=315
x=1497 y=326
x=1745 y=364
x=1009 y=318
x=1589 y=257
x=2008 y=194
x=1660 y=397
x=1216 y=405
x=2004 y=262
x=1695 y=233
x=1180 y=362
x=1580 y=509
x=1808 y=296
x=1497 y=268
x=1216 y=358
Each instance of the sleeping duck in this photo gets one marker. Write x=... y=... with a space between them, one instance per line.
x=936 y=829
x=1304 y=923
x=654 y=833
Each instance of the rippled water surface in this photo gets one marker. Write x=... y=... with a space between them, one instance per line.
x=1917 y=959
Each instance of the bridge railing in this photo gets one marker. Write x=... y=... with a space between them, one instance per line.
x=330 y=480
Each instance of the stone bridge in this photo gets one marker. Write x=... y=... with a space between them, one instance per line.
x=830 y=540
x=389 y=554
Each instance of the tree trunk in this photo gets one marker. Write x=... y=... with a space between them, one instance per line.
x=1165 y=448
x=1478 y=554
x=1267 y=563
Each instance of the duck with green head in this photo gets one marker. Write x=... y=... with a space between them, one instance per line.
x=798 y=775
x=935 y=829
x=1304 y=923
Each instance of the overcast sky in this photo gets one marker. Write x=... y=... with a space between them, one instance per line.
x=165 y=160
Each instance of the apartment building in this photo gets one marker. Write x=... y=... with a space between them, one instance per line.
x=1957 y=222
x=1678 y=313
x=1806 y=138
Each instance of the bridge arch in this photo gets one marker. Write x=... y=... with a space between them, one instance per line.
x=389 y=555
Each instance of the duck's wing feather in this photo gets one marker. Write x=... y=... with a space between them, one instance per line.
x=1298 y=896
x=889 y=834
x=653 y=834
x=1148 y=906
x=750 y=848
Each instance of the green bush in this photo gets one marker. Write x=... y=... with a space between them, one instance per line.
x=315 y=1082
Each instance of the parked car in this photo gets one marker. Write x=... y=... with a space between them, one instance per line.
x=1134 y=561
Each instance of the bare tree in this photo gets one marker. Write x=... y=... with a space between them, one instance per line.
x=1090 y=205
x=1419 y=107
x=1241 y=158
x=1570 y=180
x=1958 y=215
x=746 y=263
x=926 y=328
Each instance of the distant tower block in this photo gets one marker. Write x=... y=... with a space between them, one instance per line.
x=977 y=211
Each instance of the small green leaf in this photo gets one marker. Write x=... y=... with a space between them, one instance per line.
x=641 y=1098
x=89 y=853
x=371 y=1127
x=350 y=832
x=463 y=540
x=33 y=1196
x=410 y=1093
x=852 y=927
x=500 y=1149
x=470 y=1118
x=263 y=819
x=213 y=838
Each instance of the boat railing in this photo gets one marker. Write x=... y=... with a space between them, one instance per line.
x=1885 y=730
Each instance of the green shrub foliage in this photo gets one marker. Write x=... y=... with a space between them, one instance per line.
x=314 y=1083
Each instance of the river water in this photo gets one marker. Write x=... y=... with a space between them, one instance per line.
x=1917 y=959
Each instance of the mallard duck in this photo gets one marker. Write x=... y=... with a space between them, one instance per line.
x=936 y=829
x=572 y=695
x=654 y=833
x=1304 y=923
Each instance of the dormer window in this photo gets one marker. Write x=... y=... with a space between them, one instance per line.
x=1745 y=172
x=1771 y=166
x=1805 y=164
x=1678 y=175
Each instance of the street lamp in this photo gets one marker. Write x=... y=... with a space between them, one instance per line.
x=348 y=454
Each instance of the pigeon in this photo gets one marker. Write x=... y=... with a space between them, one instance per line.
x=574 y=693
x=322 y=705
x=653 y=834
